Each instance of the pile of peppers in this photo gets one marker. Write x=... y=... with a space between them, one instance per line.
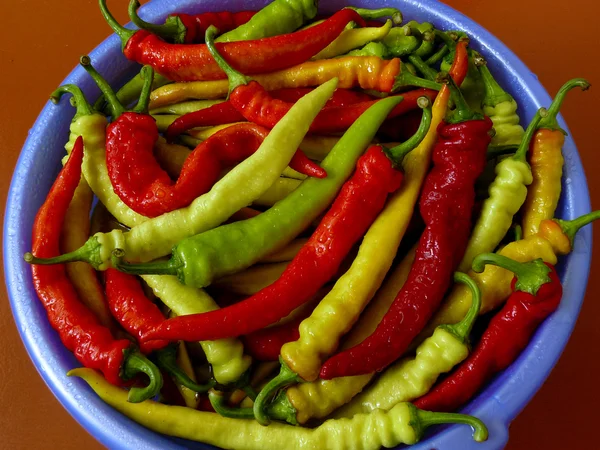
x=300 y=219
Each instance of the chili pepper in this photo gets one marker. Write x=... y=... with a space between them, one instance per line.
x=156 y=237
x=190 y=28
x=472 y=87
x=507 y=194
x=166 y=359
x=193 y=61
x=278 y=17
x=354 y=38
x=403 y=424
x=78 y=328
x=413 y=377
x=398 y=43
x=185 y=107
x=373 y=14
x=446 y=202
x=253 y=279
x=287 y=253
x=546 y=164
x=369 y=73
x=424 y=30
x=536 y=294
x=190 y=397
x=217 y=114
x=231 y=247
x=375 y=256
x=170 y=157
x=377 y=49
x=92 y=127
x=341 y=97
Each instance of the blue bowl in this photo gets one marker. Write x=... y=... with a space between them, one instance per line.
x=497 y=405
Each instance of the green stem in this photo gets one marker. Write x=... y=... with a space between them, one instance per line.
x=550 y=122
x=148 y=76
x=521 y=153
x=518 y=231
x=463 y=328
x=235 y=78
x=461 y=112
x=250 y=392
x=111 y=98
x=172 y=30
x=372 y=14
x=166 y=359
x=421 y=420
x=405 y=78
x=278 y=411
x=494 y=94
x=286 y=377
x=494 y=151
x=88 y=252
x=428 y=72
x=571 y=227
x=449 y=39
x=149 y=268
x=437 y=56
x=530 y=275
x=81 y=103
x=121 y=31
x=397 y=154
x=137 y=363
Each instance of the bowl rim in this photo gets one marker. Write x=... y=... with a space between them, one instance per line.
x=497 y=405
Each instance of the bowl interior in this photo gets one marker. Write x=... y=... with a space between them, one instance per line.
x=497 y=405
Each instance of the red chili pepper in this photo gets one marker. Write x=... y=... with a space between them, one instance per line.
x=359 y=202
x=181 y=62
x=265 y=344
x=143 y=185
x=536 y=294
x=78 y=328
x=446 y=202
x=130 y=306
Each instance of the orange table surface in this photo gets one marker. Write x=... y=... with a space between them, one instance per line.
x=40 y=43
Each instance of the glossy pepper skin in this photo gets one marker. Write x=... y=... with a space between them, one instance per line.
x=352 y=38
x=403 y=424
x=156 y=237
x=232 y=243
x=546 y=164
x=340 y=309
x=446 y=203
x=535 y=296
x=193 y=62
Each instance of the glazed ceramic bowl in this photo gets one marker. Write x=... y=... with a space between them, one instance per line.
x=497 y=405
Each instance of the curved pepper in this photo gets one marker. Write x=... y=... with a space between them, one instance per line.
x=403 y=424
x=353 y=38
x=193 y=62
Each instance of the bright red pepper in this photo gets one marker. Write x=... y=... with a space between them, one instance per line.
x=78 y=328
x=536 y=294
x=190 y=62
x=446 y=203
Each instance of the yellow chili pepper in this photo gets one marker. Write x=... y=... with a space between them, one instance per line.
x=354 y=38
x=170 y=156
x=337 y=312
x=278 y=191
x=546 y=164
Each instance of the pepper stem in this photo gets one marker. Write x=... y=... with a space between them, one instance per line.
x=463 y=328
x=494 y=94
x=405 y=78
x=462 y=112
x=437 y=56
x=277 y=411
x=166 y=359
x=531 y=276
x=148 y=76
x=81 y=103
x=550 y=122
x=286 y=377
x=397 y=154
x=137 y=363
x=111 y=98
x=88 y=252
x=518 y=232
x=571 y=227
x=149 y=268
x=521 y=153
x=235 y=78
x=448 y=38
x=421 y=420
x=120 y=30
x=172 y=30
x=428 y=72
x=372 y=14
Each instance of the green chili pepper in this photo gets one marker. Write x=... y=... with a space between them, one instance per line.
x=399 y=44
x=226 y=356
x=371 y=49
x=507 y=194
x=374 y=14
x=404 y=423
x=156 y=237
x=413 y=377
x=501 y=107
x=278 y=17
x=426 y=32
x=230 y=248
